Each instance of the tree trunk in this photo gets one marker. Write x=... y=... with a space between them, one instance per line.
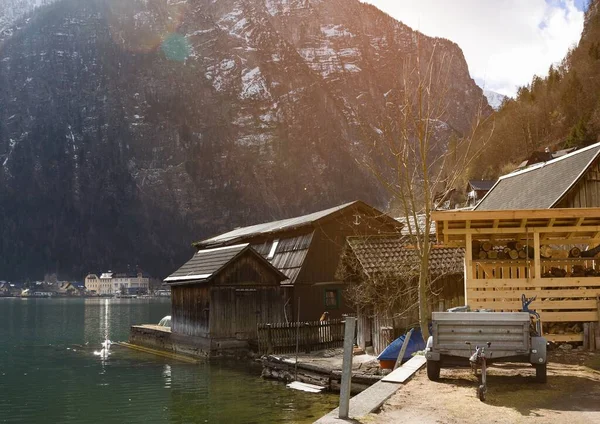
x=423 y=285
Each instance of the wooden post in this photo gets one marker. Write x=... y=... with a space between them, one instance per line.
x=297 y=342
x=468 y=264
x=537 y=263
x=347 y=367
x=598 y=323
x=403 y=348
x=586 y=336
x=593 y=336
x=269 y=340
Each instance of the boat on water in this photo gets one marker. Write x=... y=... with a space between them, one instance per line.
x=126 y=296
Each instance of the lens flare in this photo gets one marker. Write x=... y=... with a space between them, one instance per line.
x=144 y=25
x=176 y=47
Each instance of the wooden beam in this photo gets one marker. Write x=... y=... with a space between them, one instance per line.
x=535 y=283
x=523 y=222
x=591 y=240
x=574 y=337
x=516 y=215
x=519 y=230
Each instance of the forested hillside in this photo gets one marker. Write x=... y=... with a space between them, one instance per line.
x=558 y=110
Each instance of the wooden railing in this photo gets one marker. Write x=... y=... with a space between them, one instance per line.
x=317 y=335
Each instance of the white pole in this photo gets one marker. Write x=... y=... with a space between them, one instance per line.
x=347 y=367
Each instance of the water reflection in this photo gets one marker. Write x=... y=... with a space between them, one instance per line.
x=48 y=372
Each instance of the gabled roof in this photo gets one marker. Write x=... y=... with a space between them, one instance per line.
x=272 y=228
x=540 y=186
x=206 y=263
x=481 y=185
x=395 y=255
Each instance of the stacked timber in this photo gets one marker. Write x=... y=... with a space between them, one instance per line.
x=577 y=271
x=591 y=253
x=512 y=251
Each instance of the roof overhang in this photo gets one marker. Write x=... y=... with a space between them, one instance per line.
x=187 y=278
x=559 y=226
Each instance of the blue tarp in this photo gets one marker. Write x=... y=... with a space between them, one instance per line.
x=415 y=344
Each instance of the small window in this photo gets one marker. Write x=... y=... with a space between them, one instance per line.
x=332 y=298
x=273 y=249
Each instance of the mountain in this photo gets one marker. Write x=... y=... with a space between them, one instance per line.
x=494 y=99
x=130 y=129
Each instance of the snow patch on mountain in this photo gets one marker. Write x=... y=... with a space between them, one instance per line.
x=494 y=99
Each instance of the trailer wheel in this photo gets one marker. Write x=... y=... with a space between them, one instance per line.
x=541 y=373
x=481 y=393
x=433 y=370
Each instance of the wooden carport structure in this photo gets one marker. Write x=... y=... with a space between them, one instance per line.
x=567 y=287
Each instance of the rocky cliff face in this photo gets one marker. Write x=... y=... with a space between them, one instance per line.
x=130 y=129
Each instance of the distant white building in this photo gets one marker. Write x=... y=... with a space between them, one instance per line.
x=110 y=283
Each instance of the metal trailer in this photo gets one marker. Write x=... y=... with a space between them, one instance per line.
x=479 y=338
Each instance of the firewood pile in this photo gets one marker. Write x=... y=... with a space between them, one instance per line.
x=562 y=327
x=511 y=251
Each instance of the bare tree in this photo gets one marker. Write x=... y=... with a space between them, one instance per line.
x=418 y=156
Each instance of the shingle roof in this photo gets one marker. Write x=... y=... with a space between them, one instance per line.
x=482 y=184
x=405 y=231
x=205 y=263
x=289 y=254
x=208 y=262
x=540 y=186
x=395 y=254
x=242 y=234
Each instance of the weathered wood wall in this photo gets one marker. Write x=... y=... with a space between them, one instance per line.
x=190 y=306
x=236 y=312
x=586 y=193
x=322 y=262
x=245 y=293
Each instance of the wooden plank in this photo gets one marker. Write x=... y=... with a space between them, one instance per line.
x=305 y=387
x=578 y=337
x=403 y=348
x=505 y=283
x=400 y=375
x=569 y=316
x=538 y=305
x=512 y=294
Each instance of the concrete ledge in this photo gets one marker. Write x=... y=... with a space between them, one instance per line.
x=364 y=403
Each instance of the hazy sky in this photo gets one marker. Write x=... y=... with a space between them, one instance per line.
x=505 y=42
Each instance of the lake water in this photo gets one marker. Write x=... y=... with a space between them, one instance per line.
x=49 y=372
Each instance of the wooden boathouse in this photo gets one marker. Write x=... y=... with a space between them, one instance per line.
x=222 y=294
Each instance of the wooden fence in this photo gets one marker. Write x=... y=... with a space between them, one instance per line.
x=312 y=336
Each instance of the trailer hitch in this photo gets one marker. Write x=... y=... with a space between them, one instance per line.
x=478 y=360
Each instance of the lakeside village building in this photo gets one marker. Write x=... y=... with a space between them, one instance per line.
x=110 y=283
